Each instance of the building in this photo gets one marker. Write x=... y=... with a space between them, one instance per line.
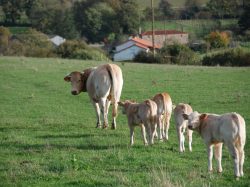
x=129 y=49
x=167 y=37
x=57 y=40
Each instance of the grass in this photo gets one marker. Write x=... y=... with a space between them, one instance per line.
x=48 y=137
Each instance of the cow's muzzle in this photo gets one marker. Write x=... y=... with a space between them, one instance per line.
x=74 y=92
x=190 y=127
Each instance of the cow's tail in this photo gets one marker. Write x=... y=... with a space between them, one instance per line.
x=240 y=122
x=115 y=75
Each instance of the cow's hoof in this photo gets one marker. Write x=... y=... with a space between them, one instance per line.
x=105 y=126
x=113 y=127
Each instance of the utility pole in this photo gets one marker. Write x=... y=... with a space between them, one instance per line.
x=153 y=21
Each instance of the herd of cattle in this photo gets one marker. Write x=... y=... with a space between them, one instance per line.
x=104 y=86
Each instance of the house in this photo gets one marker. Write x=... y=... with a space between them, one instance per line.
x=129 y=49
x=166 y=36
x=57 y=40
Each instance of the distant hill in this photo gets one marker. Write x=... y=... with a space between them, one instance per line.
x=175 y=3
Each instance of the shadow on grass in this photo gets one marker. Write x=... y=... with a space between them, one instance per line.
x=43 y=147
x=82 y=183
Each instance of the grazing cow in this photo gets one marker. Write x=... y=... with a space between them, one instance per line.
x=164 y=111
x=141 y=114
x=104 y=85
x=218 y=129
x=181 y=125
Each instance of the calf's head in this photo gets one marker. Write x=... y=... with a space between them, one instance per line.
x=125 y=105
x=194 y=119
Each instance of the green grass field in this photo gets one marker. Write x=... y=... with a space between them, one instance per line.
x=48 y=137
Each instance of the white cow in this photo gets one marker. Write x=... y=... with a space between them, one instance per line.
x=181 y=125
x=103 y=84
x=218 y=129
x=141 y=114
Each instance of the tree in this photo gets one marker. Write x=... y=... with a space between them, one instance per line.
x=244 y=20
x=12 y=10
x=166 y=8
x=192 y=7
x=127 y=16
x=223 y=8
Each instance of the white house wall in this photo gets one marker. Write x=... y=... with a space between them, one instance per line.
x=127 y=54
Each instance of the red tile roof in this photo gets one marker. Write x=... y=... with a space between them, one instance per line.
x=145 y=42
x=163 y=32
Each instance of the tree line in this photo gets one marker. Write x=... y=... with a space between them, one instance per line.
x=109 y=20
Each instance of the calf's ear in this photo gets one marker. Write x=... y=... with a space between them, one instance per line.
x=203 y=117
x=120 y=103
x=185 y=116
x=67 y=78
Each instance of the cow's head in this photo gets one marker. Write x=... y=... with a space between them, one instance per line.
x=194 y=119
x=78 y=80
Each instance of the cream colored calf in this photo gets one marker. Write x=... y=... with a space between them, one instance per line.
x=218 y=129
x=164 y=111
x=141 y=114
x=181 y=125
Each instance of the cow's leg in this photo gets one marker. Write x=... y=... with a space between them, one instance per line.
x=210 y=157
x=235 y=155
x=97 y=110
x=114 y=114
x=144 y=135
x=179 y=134
x=241 y=159
x=167 y=124
x=149 y=132
x=102 y=105
x=131 y=127
x=153 y=127
x=218 y=155
x=159 y=125
x=189 y=136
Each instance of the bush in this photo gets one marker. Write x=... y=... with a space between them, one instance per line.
x=79 y=50
x=178 y=54
x=234 y=57
x=218 y=39
x=169 y=54
x=33 y=43
x=4 y=39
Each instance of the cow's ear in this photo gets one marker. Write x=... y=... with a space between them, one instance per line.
x=185 y=116
x=120 y=103
x=67 y=78
x=203 y=117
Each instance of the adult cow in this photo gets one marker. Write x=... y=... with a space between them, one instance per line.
x=104 y=86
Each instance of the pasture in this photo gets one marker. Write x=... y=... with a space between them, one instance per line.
x=48 y=137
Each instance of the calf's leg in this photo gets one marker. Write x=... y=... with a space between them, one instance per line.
x=218 y=155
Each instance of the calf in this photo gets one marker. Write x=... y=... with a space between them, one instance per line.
x=164 y=111
x=181 y=125
x=103 y=85
x=218 y=129
x=141 y=114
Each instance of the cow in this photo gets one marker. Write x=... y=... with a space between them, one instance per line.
x=218 y=129
x=104 y=86
x=164 y=111
x=181 y=125
x=141 y=114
